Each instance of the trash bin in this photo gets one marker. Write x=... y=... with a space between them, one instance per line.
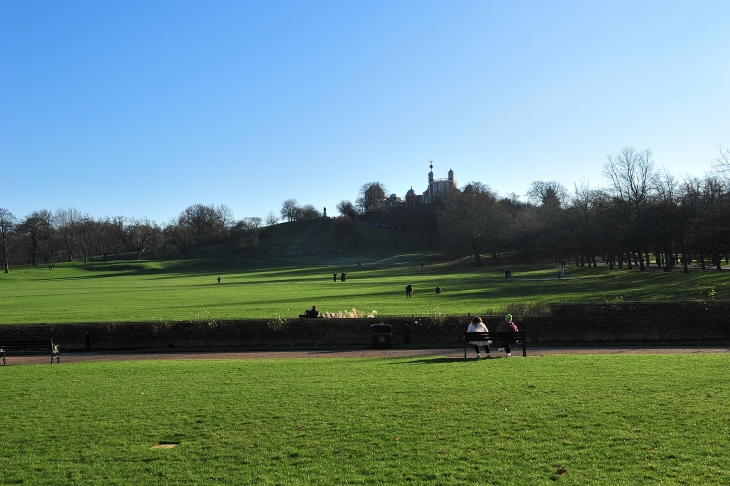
x=382 y=336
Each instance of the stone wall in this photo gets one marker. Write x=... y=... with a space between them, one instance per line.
x=620 y=322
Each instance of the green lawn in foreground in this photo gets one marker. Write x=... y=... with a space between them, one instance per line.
x=187 y=290
x=626 y=419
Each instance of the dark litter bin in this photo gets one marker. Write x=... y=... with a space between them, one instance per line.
x=382 y=336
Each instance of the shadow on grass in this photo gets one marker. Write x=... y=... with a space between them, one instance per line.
x=439 y=361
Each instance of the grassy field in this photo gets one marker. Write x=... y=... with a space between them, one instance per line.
x=292 y=269
x=628 y=419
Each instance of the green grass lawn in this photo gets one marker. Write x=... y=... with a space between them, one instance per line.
x=291 y=270
x=627 y=419
x=187 y=290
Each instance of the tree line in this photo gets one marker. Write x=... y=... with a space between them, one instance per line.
x=642 y=216
x=70 y=234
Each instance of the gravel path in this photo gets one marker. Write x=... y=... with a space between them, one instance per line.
x=452 y=353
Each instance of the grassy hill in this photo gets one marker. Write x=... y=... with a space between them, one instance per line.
x=316 y=240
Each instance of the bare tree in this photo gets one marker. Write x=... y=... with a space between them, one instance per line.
x=710 y=231
x=67 y=222
x=225 y=215
x=252 y=222
x=526 y=231
x=474 y=219
x=371 y=196
x=180 y=236
x=87 y=237
x=582 y=222
x=631 y=175
x=289 y=209
x=48 y=235
x=688 y=203
x=35 y=228
x=120 y=235
x=308 y=211
x=141 y=233
x=111 y=236
x=346 y=208
x=550 y=200
x=665 y=220
x=271 y=219
x=8 y=237
x=208 y=222
x=547 y=193
x=245 y=233
x=721 y=165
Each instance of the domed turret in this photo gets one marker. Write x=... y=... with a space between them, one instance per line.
x=430 y=174
x=451 y=175
x=410 y=192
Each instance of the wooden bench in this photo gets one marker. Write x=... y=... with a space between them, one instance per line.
x=497 y=338
x=30 y=347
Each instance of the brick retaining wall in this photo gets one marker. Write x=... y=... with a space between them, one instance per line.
x=629 y=321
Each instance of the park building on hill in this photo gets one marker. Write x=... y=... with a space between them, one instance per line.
x=436 y=188
x=375 y=199
x=393 y=201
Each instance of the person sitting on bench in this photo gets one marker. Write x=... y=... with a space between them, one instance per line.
x=477 y=325
x=313 y=312
x=507 y=326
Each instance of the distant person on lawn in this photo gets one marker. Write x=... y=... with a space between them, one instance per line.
x=409 y=290
x=477 y=325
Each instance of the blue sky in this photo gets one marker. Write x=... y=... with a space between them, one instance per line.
x=144 y=108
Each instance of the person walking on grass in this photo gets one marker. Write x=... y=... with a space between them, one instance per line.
x=219 y=280
x=409 y=290
x=477 y=325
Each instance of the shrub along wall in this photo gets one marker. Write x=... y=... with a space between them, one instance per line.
x=630 y=321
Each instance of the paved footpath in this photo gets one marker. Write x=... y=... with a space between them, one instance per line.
x=454 y=353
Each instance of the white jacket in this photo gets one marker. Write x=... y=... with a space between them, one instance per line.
x=479 y=327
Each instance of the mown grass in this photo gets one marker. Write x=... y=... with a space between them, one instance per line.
x=188 y=290
x=627 y=419
x=291 y=270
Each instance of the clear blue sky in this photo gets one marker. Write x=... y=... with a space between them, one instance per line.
x=144 y=108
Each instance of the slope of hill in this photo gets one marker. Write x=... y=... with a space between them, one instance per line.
x=322 y=240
